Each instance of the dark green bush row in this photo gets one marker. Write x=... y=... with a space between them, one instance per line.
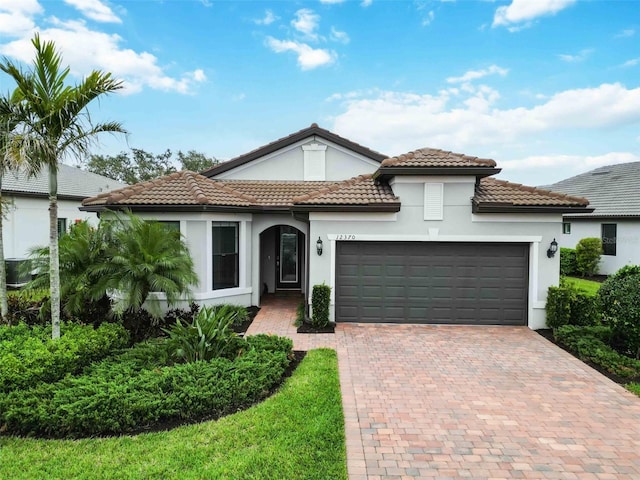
x=28 y=355
x=568 y=265
x=320 y=300
x=620 y=303
x=128 y=393
x=590 y=344
x=566 y=305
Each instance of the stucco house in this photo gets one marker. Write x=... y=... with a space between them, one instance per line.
x=614 y=193
x=26 y=206
x=424 y=237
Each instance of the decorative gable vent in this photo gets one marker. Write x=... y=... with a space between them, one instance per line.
x=433 y=200
x=314 y=161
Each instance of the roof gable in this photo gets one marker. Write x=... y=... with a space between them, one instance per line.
x=613 y=190
x=313 y=130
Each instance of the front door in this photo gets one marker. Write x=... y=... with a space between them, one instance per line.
x=288 y=258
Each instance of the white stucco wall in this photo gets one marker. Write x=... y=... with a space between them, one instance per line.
x=628 y=241
x=26 y=223
x=458 y=225
x=288 y=164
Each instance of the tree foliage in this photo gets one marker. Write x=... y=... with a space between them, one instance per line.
x=138 y=165
x=53 y=122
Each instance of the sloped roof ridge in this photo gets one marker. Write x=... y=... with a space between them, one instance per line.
x=332 y=188
x=393 y=161
x=542 y=191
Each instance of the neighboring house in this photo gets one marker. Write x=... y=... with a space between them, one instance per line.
x=425 y=237
x=614 y=193
x=26 y=205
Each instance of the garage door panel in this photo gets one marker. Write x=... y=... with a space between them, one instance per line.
x=422 y=282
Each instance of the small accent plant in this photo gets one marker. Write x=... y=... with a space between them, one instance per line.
x=320 y=299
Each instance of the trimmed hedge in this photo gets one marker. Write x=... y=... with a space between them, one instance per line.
x=566 y=305
x=320 y=301
x=590 y=344
x=28 y=355
x=131 y=392
x=568 y=264
x=588 y=252
x=619 y=299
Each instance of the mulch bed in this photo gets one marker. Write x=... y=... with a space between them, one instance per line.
x=548 y=334
x=308 y=328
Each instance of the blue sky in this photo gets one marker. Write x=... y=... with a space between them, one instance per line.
x=547 y=88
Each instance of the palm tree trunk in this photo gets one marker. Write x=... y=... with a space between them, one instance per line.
x=4 y=306
x=54 y=263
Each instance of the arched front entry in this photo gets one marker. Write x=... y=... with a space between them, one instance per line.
x=282 y=259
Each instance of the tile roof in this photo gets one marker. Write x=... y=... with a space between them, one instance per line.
x=180 y=188
x=189 y=188
x=500 y=192
x=433 y=157
x=613 y=190
x=361 y=190
x=313 y=130
x=72 y=182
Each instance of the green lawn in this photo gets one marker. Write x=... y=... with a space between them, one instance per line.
x=296 y=434
x=634 y=387
x=588 y=286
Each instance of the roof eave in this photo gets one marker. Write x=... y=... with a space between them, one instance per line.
x=577 y=216
x=485 y=207
x=373 y=207
x=384 y=173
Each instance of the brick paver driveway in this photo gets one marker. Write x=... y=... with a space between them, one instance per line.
x=477 y=402
x=480 y=402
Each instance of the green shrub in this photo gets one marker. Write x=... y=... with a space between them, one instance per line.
x=320 y=299
x=588 y=252
x=619 y=299
x=301 y=314
x=30 y=356
x=208 y=336
x=589 y=343
x=568 y=264
x=128 y=393
x=566 y=305
x=24 y=306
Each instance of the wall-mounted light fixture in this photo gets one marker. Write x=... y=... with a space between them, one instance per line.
x=553 y=248
x=319 y=246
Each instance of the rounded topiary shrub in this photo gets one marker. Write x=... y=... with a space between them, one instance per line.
x=588 y=252
x=619 y=299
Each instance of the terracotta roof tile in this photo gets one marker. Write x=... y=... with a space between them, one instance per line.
x=181 y=188
x=432 y=157
x=494 y=191
x=361 y=190
x=273 y=193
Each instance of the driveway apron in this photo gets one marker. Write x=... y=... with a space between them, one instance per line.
x=426 y=401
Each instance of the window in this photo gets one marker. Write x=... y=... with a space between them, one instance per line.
x=566 y=228
x=171 y=225
x=609 y=234
x=225 y=255
x=62 y=226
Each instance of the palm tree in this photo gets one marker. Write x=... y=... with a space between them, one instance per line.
x=145 y=257
x=56 y=124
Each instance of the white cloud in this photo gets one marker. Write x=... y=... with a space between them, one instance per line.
x=308 y=57
x=329 y=2
x=576 y=163
x=306 y=22
x=476 y=74
x=631 y=63
x=84 y=50
x=428 y=18
x=521 y=12
x=366 y=3
x=626 y=33
x=579 y=57
x=338 y=36
x=95 y=10
x=268 y=19
x=16 y=16
x=468 y=117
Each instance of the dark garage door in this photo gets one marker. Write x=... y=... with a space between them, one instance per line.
x=428 y=282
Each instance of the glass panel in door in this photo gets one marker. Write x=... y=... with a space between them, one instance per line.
x=288 y=255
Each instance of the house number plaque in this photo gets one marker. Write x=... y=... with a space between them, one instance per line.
x=345 y=236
